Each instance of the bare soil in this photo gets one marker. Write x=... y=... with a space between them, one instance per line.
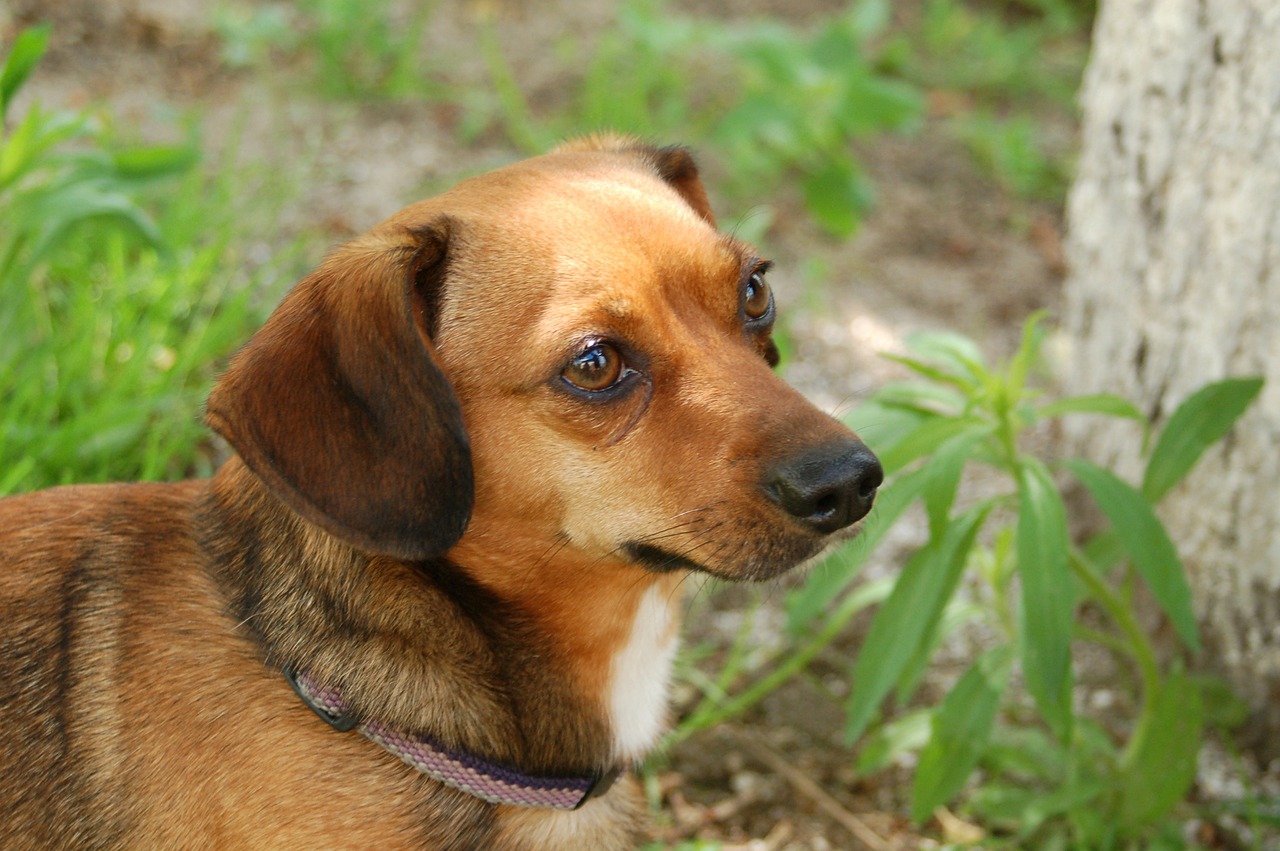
x=943 y=247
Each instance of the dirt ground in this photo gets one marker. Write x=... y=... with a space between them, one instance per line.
x=943 y=247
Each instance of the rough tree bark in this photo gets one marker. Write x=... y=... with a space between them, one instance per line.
x=1174 y=245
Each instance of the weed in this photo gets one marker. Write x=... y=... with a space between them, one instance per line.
x=1008 y=77
x=1054 y=776
x=790 y=104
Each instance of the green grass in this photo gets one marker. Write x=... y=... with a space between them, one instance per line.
x=124 y=281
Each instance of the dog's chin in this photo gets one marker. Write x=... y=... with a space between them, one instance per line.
x=745 y=564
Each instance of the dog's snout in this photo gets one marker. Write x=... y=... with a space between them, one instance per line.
x=828 y=488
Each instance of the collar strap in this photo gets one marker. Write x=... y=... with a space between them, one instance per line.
x=497 y=784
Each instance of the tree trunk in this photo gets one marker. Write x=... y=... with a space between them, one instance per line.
x=1174 y=245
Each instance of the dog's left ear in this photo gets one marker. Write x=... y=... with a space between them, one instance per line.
x=339 y=405
x=673 y=163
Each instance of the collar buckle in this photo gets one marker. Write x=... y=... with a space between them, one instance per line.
x=335 y=714
x=601 y=782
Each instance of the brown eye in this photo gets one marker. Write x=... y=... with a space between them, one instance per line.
x=596 y=368
x=757 y=299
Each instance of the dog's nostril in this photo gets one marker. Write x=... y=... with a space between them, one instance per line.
x=870 y=482
x=827 y=505
x=828 y=488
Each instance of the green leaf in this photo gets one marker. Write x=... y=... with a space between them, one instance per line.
x=1028 y=351
x=837 y=195
x=1197 y=424
x=904 y=734
x=884 y=426
x=1048 y=597
x=1104 y=550
x=961 y=727
x=1026 y=752
x=945 y=469
x=933 y=372
x=901 y=624
x=1160 y=768
x=927 y=438
x=1146 y=542
x=829 y=579
x=27 y=49
x=957 y=612
x=956 y=351
x=918 y=396
x=1100 y=403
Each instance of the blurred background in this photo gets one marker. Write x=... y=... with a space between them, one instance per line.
x=170 y=167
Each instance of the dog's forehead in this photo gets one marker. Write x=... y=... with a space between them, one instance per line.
x=577 y=245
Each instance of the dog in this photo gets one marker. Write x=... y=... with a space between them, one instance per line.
x=432 y=599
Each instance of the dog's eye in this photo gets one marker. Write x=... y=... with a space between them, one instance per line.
x=597 y=368
x=757 y=298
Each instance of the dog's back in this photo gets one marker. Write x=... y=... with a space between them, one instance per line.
x=75 y=564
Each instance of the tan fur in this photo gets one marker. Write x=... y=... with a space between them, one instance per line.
x=421 y=511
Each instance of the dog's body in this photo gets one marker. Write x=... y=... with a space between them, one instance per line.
x=477 y=452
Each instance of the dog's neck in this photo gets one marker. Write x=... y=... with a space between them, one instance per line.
x=553 y=665
x=617 y=626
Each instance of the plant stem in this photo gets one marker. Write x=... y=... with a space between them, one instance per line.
x=710 y=711
x=1137 y=645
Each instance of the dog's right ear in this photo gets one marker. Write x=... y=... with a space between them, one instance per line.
x=340 y=406
x=675 y=165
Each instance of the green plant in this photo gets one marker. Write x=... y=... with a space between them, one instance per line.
x=109 y=316
x=1011 y=150
x=57 y=174
x=356 y=48
x=251 y=34
x=772 y=102
x=1005 y=77
x=804 y=100
x=1054 y=776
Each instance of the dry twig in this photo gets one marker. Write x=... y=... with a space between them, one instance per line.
x=860 y=830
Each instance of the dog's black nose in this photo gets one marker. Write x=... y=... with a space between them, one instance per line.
x=827 y=488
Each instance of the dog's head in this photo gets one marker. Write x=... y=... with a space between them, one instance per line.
x=561 y=350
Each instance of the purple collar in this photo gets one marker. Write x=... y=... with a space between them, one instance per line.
x=497 y=784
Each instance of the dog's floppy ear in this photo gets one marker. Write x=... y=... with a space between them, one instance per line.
x=339 y=405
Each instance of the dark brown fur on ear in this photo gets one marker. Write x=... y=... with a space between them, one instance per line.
x=675 y=165
x=339 y=406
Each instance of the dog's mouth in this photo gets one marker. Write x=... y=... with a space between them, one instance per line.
x=756 y=564
x=659 y=560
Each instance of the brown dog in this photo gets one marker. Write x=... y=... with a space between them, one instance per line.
x=477 y=451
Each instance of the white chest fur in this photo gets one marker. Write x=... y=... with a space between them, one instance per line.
x=640 y=676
